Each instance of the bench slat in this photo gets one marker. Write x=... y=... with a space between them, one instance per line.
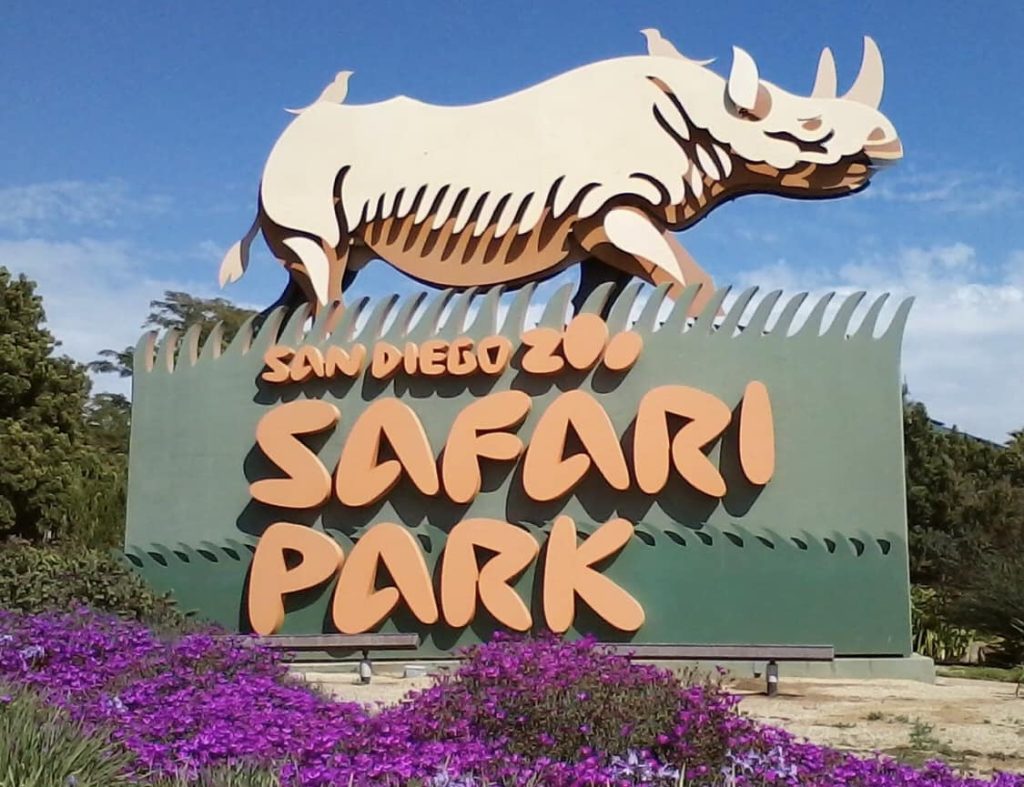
x=727 y=652
x=342 y=641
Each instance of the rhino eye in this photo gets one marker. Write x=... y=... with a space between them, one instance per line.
x=762 y=106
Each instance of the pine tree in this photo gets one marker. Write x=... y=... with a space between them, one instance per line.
x=178 y=311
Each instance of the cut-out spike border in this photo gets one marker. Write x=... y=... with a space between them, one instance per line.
x=449 y=313
x=233 y=551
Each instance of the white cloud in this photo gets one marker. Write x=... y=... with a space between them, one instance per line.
x=962 y=353
x=43 y=207
x=96 y=293
x=949 y=192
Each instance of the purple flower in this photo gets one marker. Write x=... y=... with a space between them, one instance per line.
x=184 y=706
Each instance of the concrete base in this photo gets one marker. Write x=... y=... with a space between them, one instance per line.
x=913 y=667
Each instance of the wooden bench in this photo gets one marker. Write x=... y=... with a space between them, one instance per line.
x=361 y=642
x=772 y=654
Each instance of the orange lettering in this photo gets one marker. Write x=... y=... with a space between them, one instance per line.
x=461 y=359
x=542 y=356
x=308 y=362
x=349 y=363
x=360 y=478
x=547 y=475
x=584 y=341
x=569 y=572
x=494 y=353
x=386 y=360
x=307 y=483
x=410 y=358
x=623 y=350
x=461 y=577
x=358 y=605
x=277 y=358
x=473 y=436
x=433 y=357
x=757 y=434
x=271 y=579
x=709 y=416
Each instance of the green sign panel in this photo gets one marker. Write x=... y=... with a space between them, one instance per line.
x=784 y=525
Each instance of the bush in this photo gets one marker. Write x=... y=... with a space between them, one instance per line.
x=40 y=578
x=993 y=602
x=549 y=698
x=214 y=712
x=41 y=747
x=228 y=776
x=934 y=635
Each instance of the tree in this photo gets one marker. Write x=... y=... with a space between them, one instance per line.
x=965 y=500
x=107 y=418
x=965 y=515
x=178 y=311
x=54 y=483
x=929 y=488
x=117 y=362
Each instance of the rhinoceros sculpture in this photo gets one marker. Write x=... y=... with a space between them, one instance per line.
x=597 y=166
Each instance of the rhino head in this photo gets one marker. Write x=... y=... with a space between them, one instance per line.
x=768 y=140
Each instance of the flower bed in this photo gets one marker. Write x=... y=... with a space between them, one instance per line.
x=536 y=711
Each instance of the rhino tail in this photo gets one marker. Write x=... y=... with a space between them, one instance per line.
x=237 y=259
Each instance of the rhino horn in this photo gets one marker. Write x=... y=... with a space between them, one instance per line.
x=867 y=88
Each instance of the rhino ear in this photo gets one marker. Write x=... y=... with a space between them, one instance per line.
x=744 y=82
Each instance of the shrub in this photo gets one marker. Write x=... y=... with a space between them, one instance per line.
x=550 y=698
x=41 y=747
x=934 y=635
x=40 y=578
x=210 y=711
x=992 y=601
x=226 y=776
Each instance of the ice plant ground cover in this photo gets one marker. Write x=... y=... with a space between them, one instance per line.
x=517 y=711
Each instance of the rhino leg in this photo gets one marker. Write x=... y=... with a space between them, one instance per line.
x=316 y=268
x=594 y=273
x=629 y=240
x=692 y=273
x=319 y=270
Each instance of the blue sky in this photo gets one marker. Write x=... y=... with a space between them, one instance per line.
x=132 y=137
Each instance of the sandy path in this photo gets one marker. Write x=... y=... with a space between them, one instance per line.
x=973 y=723
x=977 y=725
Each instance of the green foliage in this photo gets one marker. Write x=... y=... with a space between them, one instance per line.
x=965 y=509
x=54 y=481
x=117 y=362
x=228 y=776
x=965 y=499
x=557 y=723
x=177 y=311
x=64 y=454
x=977 y=672
x=38 y=578
x=41 y=747
x=934 y=636
x=993 y=601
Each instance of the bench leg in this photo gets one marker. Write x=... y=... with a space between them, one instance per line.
x=772 y=674
x=365 y=668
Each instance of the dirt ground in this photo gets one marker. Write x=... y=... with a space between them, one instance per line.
x=974 y=725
